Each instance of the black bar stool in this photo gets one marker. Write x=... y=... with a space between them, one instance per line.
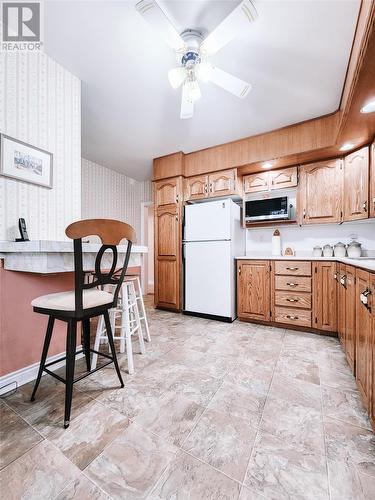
x=85 y=302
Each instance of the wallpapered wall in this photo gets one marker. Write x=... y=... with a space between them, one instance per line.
x=109 y=194
x=40 y=104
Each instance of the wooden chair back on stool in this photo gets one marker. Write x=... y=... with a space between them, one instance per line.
x=86 y=301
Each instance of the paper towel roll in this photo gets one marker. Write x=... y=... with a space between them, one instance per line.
x=276 y=243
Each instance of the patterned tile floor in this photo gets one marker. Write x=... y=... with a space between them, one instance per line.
x=214 y=411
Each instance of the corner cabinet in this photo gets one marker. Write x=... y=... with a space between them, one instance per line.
x=222 y=183
x=253 y=289
x=356 y=185
x=372 y=353
x=320 y=192
x=168 y=236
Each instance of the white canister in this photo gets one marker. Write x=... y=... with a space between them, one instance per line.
x=339 y=249
x=317 y=251
x=354 y=250
x=276 y=243
x=327 y=251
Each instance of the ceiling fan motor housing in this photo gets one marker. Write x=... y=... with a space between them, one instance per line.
x=193 y=40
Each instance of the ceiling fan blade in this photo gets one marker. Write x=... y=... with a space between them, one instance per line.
x=228 y=82
x=187 y=105
x=153 y=14
x=239 y=19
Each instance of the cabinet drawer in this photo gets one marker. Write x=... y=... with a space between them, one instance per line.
x=290 y=299
x=293 y=283
x=292 y=316
x=293 y=268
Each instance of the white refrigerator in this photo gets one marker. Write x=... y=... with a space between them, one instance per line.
x=213 y=236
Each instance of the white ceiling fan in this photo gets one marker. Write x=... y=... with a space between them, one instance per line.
x=192 y=51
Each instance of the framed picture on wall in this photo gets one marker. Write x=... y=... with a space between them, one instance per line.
x=24 y=162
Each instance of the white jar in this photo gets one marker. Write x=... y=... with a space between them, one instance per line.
x=339 y=249
x=327 y=251
x=317 y=251
x=354 y=250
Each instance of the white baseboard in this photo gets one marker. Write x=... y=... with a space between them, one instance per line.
x=29 y=373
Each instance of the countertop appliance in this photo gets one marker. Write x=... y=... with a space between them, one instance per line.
x=267 y=209
x=213 y=236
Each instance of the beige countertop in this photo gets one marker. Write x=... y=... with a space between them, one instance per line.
x=367 y=263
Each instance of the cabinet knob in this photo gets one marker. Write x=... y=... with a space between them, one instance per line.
x=177 y=217
x=292 y=300
x=292 y=284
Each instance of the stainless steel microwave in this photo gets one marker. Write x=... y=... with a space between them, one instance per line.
x=267 y=209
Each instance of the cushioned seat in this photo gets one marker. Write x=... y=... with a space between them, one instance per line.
x=65 y=301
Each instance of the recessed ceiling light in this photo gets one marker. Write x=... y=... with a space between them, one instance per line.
x=369 y=107
x=267 y=164
x=347 y=146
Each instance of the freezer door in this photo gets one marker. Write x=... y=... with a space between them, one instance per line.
x=209 y=278
x=208 y=221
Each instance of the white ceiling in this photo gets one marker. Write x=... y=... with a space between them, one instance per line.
x=295 y=56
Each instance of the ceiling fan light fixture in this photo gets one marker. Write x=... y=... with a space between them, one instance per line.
x=193 y=90
x=176 y=77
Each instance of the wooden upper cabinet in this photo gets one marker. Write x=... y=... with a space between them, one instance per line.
x=363 y=335
x=350 y=306
x=253 y=289
x=168 y=192
x=325 y=296
x=196 y=187
x=320 y=192
x=168 y=166
x=223 y=183
x=356 y=177
x=285 y=178
x=372 y=180
x=256 y=183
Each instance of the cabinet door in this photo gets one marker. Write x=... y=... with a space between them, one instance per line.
x=372 y=181
x=168 y=257
x=285 y=178
x=350 y=306
x=222 y=183
x=363 y=347
x=325 y=296
x=320 y=192
x=372 y=355
x=168 y=192
x=253 y=289
x=356 y=174
x=341 y=296
x=256 y=183
x=196 y=187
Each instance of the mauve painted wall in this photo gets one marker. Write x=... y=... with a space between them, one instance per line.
x=21 y=330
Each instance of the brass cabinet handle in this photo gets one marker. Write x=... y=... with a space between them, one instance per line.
x=210 y=187
x=292 y=300
x=205 y=188
x=239 y=270
x=343 y=280
x=292 y=268
x=364 y=298
x=304 y=213
x=177 y=198
x=291 y=317
x=364 y=206
x=335 y=277
x=292 y=284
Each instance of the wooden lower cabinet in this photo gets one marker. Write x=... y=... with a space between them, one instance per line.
x=168 y=264
x=372 y=180
x=341 y=300
x=363 y=355
x=253 y=290
x=350 y=316
x=325 y=296
x=372 y=355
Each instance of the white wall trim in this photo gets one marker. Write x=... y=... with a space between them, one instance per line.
x=144 y=278
x=29 y=373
